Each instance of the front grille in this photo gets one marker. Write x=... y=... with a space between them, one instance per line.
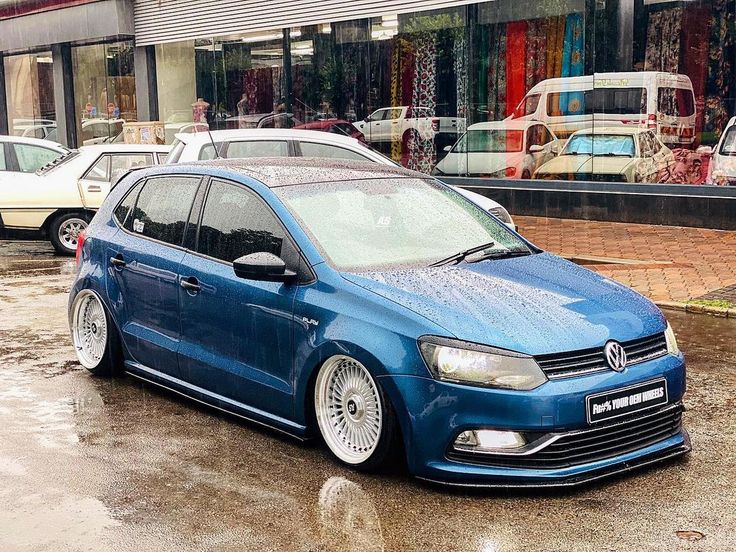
x=586 y=361
x=589 y=445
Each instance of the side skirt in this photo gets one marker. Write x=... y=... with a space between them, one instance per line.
x=216 y=401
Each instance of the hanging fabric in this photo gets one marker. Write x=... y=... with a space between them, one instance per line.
x=497 y=73
x=396 y=91
x=663 y=41
x=718 y=85
x=424 y=94
x=572 y=103
x=461 y=79
x=536 y=54
x=515 y=64
x=694 y=54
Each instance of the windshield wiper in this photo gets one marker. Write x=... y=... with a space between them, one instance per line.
x=457 y=257
x=502 y=254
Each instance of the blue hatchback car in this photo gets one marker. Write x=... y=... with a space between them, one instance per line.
x=381 y=310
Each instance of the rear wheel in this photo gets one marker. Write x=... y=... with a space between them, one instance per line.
x=354 y=414
x=93 y=334
x=64 y=231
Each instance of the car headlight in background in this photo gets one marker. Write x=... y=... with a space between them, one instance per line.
x=501 y=214
x=669 y=335
x=460 y=362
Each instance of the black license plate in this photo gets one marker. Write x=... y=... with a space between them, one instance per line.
x=620 y=402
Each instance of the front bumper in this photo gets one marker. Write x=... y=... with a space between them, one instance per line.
x=433 y=413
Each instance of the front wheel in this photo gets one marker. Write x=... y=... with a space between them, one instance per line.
x=64 y=232
x=354 y=414
x=93 y=334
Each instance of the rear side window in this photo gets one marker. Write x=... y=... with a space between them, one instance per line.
x=312 y=149
x=120 y=163
x=163 y=206
x=675 y=102
x=126 y=206
x=236 y=222
x=257 y=148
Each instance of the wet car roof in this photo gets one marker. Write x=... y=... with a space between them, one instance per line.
x=279 y=171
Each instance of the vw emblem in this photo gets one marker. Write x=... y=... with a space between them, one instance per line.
x=615 y=355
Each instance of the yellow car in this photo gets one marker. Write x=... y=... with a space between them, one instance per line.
x=610 y=154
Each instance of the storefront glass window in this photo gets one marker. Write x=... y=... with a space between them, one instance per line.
x=30 y=94
x=104 y=91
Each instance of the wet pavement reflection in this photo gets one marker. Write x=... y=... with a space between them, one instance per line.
x=96 y=464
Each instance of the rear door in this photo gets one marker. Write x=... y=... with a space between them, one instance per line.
x=237 y=333
x=96 y=183
x=144 y=264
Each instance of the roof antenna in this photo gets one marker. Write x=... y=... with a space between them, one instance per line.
x=214 y=146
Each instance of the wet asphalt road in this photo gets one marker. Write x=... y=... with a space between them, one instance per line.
x=95 y=464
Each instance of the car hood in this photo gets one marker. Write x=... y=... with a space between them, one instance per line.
x=536 y=304
x=586 y=164
x=477 y=163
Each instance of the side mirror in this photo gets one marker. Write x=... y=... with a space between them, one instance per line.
x=536 y=148
x=704 y=150
x=447 y=149
x=367 y=119
x=262 y=266
x=555 y=148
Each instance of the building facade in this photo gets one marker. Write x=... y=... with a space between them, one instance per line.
x=637 y=79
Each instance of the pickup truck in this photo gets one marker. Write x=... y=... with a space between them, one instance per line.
x=393 y=123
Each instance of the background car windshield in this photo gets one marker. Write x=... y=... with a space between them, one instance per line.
x=728 y=147
x=490 y=141
x=603 y=144
x=392 y=223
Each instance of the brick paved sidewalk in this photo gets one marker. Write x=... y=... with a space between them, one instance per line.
x=665 y=263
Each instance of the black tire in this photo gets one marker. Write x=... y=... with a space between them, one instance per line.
x=384 y=450
x=65 y=224
x=89 y=321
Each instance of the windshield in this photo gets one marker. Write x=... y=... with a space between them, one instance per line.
x=601 y=144
x=393 y=223
x=61 y=160
x=490 y=141
x=728 y=146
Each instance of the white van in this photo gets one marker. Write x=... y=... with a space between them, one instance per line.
x=663 y=102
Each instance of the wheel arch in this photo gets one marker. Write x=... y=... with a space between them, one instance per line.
x=65 y=211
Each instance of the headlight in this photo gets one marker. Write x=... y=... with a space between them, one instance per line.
x=501 y=214
x=669 y=335
x=468 y=363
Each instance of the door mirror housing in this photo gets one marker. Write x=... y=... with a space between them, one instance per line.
x=704 y=150
x=262 y=266
x=555 y=147
x=536 y=148
x=447 y=149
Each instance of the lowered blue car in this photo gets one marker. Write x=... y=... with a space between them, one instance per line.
x=382 y=311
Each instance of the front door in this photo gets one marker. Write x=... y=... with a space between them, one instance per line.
x=237 y=333
x=144 y=264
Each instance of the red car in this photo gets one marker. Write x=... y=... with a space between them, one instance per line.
x=336 y=126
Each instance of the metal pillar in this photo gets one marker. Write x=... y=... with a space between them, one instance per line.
x=625 y=35
x=4 y=123
x=146 y=89
x=66 y=122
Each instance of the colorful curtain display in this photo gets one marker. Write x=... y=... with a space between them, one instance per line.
x=720 y=66
x=663 y=41
x=461 y=80
x=523 y=53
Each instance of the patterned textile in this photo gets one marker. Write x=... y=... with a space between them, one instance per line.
x=258 y=90
x=396 y=91
x=663 y=41
x=536 y=52
x=461 y=80
x=497 y=74
x=515 y=64
x=555 y=39
x=422 y=154
x=572 y=103
x=718 y=85
x=694 y=55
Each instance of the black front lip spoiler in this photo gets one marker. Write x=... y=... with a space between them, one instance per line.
x=577 y=480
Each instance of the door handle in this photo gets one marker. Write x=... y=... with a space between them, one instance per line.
x=117 y=261
x=190 y=284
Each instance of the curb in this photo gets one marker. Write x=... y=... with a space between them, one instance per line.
x=698 y=309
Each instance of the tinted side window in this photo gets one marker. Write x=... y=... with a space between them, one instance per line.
x=126 y=206
x=3 y=165
x=311 y=149
x=257 y=148
x=121 y=163
x=237 y=222
x=163 y=208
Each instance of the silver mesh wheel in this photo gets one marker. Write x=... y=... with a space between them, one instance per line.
x=69 y=232
x=348 y=408
x=89 y=328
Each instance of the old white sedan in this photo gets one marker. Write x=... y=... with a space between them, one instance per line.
x=58 y=200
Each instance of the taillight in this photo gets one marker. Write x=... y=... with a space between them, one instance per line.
x=80 y=245
x=652 y=121
x=510 y=171
x=436 y=124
